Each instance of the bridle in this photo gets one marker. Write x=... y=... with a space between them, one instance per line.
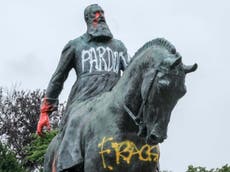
x=137 y=119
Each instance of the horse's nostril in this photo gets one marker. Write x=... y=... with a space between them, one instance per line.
x=158 y=139
x=153 y=137
x=165 y=137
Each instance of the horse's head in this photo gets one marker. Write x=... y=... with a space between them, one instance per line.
x=163 y=85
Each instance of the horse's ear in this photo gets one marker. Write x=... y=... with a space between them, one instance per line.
x=147 y=81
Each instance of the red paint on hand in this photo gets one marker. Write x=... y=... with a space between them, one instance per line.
x=44 y=117
x=43 y=122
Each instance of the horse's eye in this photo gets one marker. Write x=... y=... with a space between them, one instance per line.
x=164 y=82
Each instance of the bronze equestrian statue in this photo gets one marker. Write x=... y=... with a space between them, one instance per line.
x=100 y=129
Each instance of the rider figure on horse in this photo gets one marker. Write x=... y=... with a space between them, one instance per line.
x=97 y=59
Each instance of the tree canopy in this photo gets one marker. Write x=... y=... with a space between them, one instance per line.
x=19 y=114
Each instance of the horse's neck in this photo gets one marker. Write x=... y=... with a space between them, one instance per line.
x=129 y=85
x=126 y=93
x=128 y=90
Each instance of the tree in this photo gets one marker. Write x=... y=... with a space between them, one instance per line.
x=8 y=161
x=19 y=114
x=37 y=148
x=225 y=168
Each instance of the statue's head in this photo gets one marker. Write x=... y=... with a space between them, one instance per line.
x=96 y=24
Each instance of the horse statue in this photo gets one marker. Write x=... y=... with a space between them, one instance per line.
x=105 y=137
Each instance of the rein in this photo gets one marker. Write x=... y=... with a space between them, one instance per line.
x=137 y=119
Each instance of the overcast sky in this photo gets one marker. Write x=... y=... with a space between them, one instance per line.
x=33 y=33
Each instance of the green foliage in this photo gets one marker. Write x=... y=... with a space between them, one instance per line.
x=19 y=114
x=8 y=161
x=225 y=168
x=36 y=150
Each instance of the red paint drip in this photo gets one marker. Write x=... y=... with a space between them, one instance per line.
x=95 y=20
x=54 y=164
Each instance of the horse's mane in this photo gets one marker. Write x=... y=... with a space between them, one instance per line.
x=138 y=63
x=161 y=42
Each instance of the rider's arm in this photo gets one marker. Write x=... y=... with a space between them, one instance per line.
x=61 y=73
x=50 y=102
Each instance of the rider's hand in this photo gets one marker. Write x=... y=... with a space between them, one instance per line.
x=46 y=109
x=43 y=122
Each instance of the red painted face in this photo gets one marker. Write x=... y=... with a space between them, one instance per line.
x=96 y=18
x=97 y=15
